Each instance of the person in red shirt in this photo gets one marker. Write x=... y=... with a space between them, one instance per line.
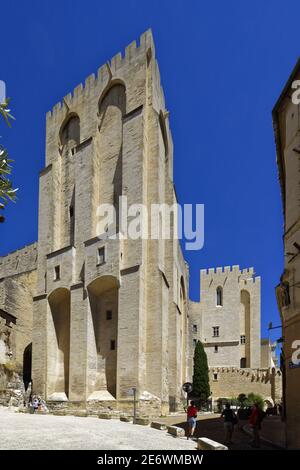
x=191 y=419
x=255 y=420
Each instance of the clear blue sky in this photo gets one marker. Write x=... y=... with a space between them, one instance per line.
x=223 y=65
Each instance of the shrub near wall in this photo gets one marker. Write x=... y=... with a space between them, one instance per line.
x=243 y=402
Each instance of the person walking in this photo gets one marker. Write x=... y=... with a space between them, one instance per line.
x=35 y=405
x=230 y=420
x=191 y=419
x=255 y=421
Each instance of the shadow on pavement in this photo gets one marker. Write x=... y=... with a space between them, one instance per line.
x=213 y=428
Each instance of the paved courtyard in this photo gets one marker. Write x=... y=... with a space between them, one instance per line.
x=25 y=431
x=211 y=426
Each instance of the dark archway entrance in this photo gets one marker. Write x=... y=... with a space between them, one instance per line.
x=27 y=364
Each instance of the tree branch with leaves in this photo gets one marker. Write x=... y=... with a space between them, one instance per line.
x=7 y=192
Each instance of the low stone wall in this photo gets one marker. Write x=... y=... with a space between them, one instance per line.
x=176 y=431
x=231 y=381
x=73 y=407
x=114 y=408
x=145 y=407
x=142 y=421
x=159 y=426
x=204 y=443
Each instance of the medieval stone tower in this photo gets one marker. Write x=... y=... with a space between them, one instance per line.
x=109 y=314
x=227 y=319
x=227 y=322
x=86 y=315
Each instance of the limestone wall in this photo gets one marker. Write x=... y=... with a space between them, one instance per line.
x=19 y=261
x=229 y=382
x=16 y=294
x=123 y=147
x=6 y=341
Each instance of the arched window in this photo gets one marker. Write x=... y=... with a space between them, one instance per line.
x=219 y=296
x=70 y=132
x=109 y=142
x=164 y=134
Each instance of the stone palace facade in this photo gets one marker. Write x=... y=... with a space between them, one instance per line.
x=87 y=317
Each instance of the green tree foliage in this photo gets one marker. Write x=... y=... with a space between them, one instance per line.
x=5 y=112
x=242 y=399
x=7 y=193
x=255 y=398
x=201 y=388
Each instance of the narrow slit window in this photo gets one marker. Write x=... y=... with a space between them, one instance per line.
x=108 y=314
x=219 y=296
x=101 y=256
x=57 y=273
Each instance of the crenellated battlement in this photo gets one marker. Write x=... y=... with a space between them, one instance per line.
x=107 y=71
x=235 y=270
x=253 y=375
x=249 y=281
x=244 y=277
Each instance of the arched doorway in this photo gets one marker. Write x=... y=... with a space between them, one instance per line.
x=59 y=344
x=27 y=364
x=102 y=360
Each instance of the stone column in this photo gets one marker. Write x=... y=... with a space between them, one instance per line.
x=39 y=345
x=129 y=335
x=78 y=344
x=131 y=311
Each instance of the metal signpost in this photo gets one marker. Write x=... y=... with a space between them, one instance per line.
x=187 y=387
x=132 y=392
